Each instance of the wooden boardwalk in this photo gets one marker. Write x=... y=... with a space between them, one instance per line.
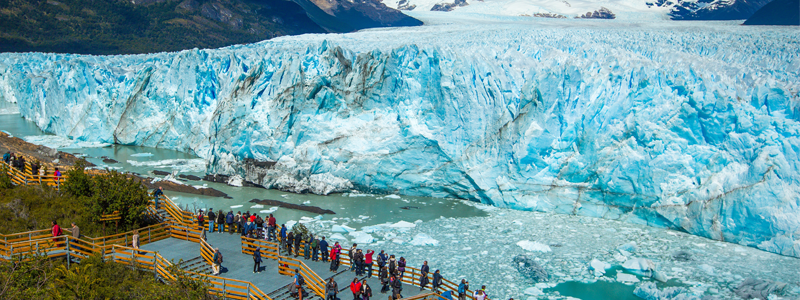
x=177 y=241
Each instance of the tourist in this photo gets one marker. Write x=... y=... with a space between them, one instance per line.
x=57 y=175
x=483 y=288
x=397 y=287
x=323 y=247
x=251 y=234
x=6 y=157
x=423 y=279
x=76 y=234
x=298 y=283
x=358 y=261
x=289 y=243
x=479 y=295
x=271 y=226
x=462 y=289
x=334 y=259
x=283 y=236
x=307 y=250
x=217 y=266
x=384 y=277
x=259 y=222
x=351 y=254
x=314 y=249
x=366 y=290
x=220 y=221
x=257 y=260
x=201 y=220
x=229 y=220
x=437 y=281
x=135 y=241
x=368 y=262
x=401 y=267
x=382 y=259
x=236 y=221
x=212 y=217
x=56 y=230
x=392 y=265
x=156 y=194
x=355 y=287
x=203 y=234
x=298 y=239
x=331 y=289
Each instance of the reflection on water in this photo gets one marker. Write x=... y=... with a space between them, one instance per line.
x=361 y=209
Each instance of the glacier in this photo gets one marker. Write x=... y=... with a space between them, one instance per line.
x=688 y=126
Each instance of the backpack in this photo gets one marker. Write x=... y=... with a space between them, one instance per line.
x=200 y=217
x=300 y=280
x=219 y=257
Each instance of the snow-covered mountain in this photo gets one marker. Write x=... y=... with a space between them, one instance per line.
x=621 y=9
x=691 y=126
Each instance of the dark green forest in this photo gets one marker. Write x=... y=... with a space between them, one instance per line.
x=144 y=26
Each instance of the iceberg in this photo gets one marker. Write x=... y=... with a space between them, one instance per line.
x=422 y=239
x=533 y=246
x=690 y=126
x=361 y=237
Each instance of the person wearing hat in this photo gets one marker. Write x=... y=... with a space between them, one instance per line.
x=462 y=289
x=201 y=220
x=257 y=260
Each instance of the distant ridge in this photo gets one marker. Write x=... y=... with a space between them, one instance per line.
x=778 y=12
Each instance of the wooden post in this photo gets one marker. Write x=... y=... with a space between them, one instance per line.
x=148 y=235
x=224 y=293
x=68 y=257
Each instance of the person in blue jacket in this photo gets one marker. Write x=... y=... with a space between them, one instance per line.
x=323 y=246
x=229 y=221
x=257 y=260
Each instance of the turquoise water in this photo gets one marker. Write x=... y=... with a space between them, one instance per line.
x=606 y=290
x=362 y=210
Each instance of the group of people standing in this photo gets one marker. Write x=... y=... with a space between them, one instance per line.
x=390 y=270
x=36 y=168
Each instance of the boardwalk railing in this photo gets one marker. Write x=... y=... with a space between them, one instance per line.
x=26 y=176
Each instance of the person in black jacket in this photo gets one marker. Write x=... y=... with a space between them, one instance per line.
x=220 y=221
x=384 y=277
x=289 y=242
x=397 y=287
x=298 y=238
x=358 y=260
x=437 y=281
x=423 y=279
x=212 y=217
x=331 y=289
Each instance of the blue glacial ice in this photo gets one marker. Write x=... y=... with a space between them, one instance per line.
x=690 y=126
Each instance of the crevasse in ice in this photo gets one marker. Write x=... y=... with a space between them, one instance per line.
x=692 y=127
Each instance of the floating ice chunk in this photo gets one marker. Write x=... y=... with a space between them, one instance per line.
x=641 y=266
x=627 y=278
x=341 y=229
x=307 y=202
x=290 y=224
x=422 y=239
x=235 y=180
x=649 y=291
x=466 y=248
x=145 y=154
x=361 y=237
x=392 y=196
x=270 y=210
x=533 y=246
x=628 y=247
x=363 y=217
x=533 y=291
x=517 y=222
x=306 y=220
x=403 y=224
x=257 y=206
x=338 y=236
x=599 y=267
x=398 y=241
x=236 y=206
x=707 y=269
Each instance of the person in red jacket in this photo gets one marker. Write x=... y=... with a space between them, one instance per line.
x=272 y=224
x=368 y=262
x=355 y=287
x=56 y=233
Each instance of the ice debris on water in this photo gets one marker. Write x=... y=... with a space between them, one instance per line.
x=533 y=246
x=236 y=206
x=627 y=278
x=257 y=206
x=144 y=154
x=361 y=237
x=598 y=267
x=649 y=291
x=422 y=239
x=752 y=288
x=342 y=228
x=529 y=268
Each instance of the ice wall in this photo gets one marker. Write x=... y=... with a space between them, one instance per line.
x=692 y=127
